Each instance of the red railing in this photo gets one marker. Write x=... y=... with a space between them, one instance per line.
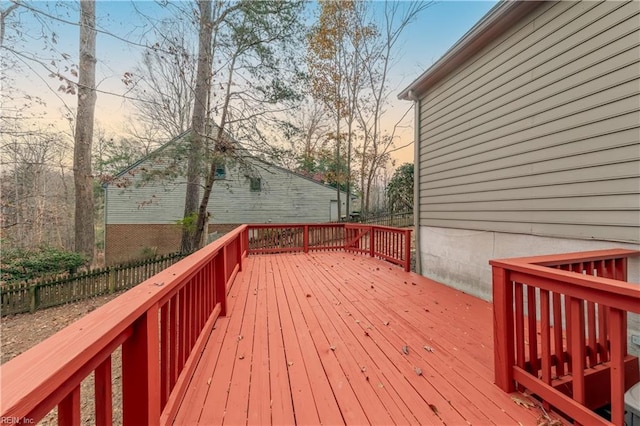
x=391 y=244
x=161 y=325
x=560 y=330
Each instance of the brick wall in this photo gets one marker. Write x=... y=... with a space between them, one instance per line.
x=129 y=242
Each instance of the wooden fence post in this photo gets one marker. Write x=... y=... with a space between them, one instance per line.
x=503 y=351
x=32 y=298
x=112 y=280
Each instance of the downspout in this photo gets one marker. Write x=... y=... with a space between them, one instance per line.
x=416 y=177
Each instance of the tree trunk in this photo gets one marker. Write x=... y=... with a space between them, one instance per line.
x=198 y=122
x=83 y=179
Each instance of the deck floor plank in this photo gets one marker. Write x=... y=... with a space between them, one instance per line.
x=214 y=408
x=352 y=411
x=191 y=407
x=368 y=332
x=326 y=405
x=281 y=402
x=396 y=392
x=322 y=338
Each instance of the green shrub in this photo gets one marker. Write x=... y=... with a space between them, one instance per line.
x=21 y=265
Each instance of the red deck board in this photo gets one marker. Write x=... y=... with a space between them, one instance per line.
x=305 y=305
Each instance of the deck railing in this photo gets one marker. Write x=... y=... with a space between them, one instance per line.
x=560 y=330
x=391 y=244
x=161 y=326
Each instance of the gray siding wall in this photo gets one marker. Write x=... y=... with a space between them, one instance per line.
x=539 y=133
x=284 y=198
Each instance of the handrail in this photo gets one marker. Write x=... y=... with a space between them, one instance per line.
x=385 y=242
x=160 y=325
x=571 y=309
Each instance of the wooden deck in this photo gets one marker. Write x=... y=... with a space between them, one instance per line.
x=335 y=338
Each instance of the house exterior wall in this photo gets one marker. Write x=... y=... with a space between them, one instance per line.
x=532 y=146
x=284 y=198
x=538 y=133
x=141 y=213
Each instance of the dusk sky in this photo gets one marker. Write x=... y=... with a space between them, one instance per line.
x=423 y=43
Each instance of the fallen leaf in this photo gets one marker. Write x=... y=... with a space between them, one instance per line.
x=241 y=356
x=239 y=338
x=434 y=408
x=386 y=323
x=290 y=363
x=357 y=321
x=418 y=371
x=428 y=348
x=333 y=348
x=209 y=381
x=405 y=349
x=380 y=385
x=522 y=402
x=412 y=283
x=363 y=369
x=308 y=295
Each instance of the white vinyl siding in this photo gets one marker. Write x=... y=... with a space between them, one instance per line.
x=539 y=132
x=284 y=197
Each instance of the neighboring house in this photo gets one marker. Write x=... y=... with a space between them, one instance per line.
x=145 y=201
x=528 y=140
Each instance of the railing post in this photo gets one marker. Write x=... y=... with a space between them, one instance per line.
x=372 y=241
x=141 y=372
x=503 y=349
x=305 y=239
x=220 y=282
x=617 y=351
x=407 y=250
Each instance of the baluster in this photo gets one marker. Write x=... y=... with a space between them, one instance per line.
x=519 y=314
x=69 y=409
x=532 y=324
x=103 y=393
x=557 y=334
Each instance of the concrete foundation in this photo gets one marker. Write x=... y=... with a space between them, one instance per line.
x=460 y=258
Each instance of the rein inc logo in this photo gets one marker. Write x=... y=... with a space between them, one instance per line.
x=8 y=420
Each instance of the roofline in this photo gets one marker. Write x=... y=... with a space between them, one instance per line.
x=498 y=20
x=186 y=132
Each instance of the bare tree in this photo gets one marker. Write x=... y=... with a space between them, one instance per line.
x=198 y=121
x=83 y=179
x=377 y=59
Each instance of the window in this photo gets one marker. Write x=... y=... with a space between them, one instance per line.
x=255 y=184
x=221 y=173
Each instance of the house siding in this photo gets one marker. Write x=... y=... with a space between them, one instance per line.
x=284 y=198
x=539 y=132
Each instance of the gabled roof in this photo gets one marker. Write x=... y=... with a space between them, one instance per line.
x=497 y=21
x=185 y=133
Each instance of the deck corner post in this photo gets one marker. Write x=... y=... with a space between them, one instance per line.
x=141 y=372
x=503 y=352
x=407 y=250
x=305 y=239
